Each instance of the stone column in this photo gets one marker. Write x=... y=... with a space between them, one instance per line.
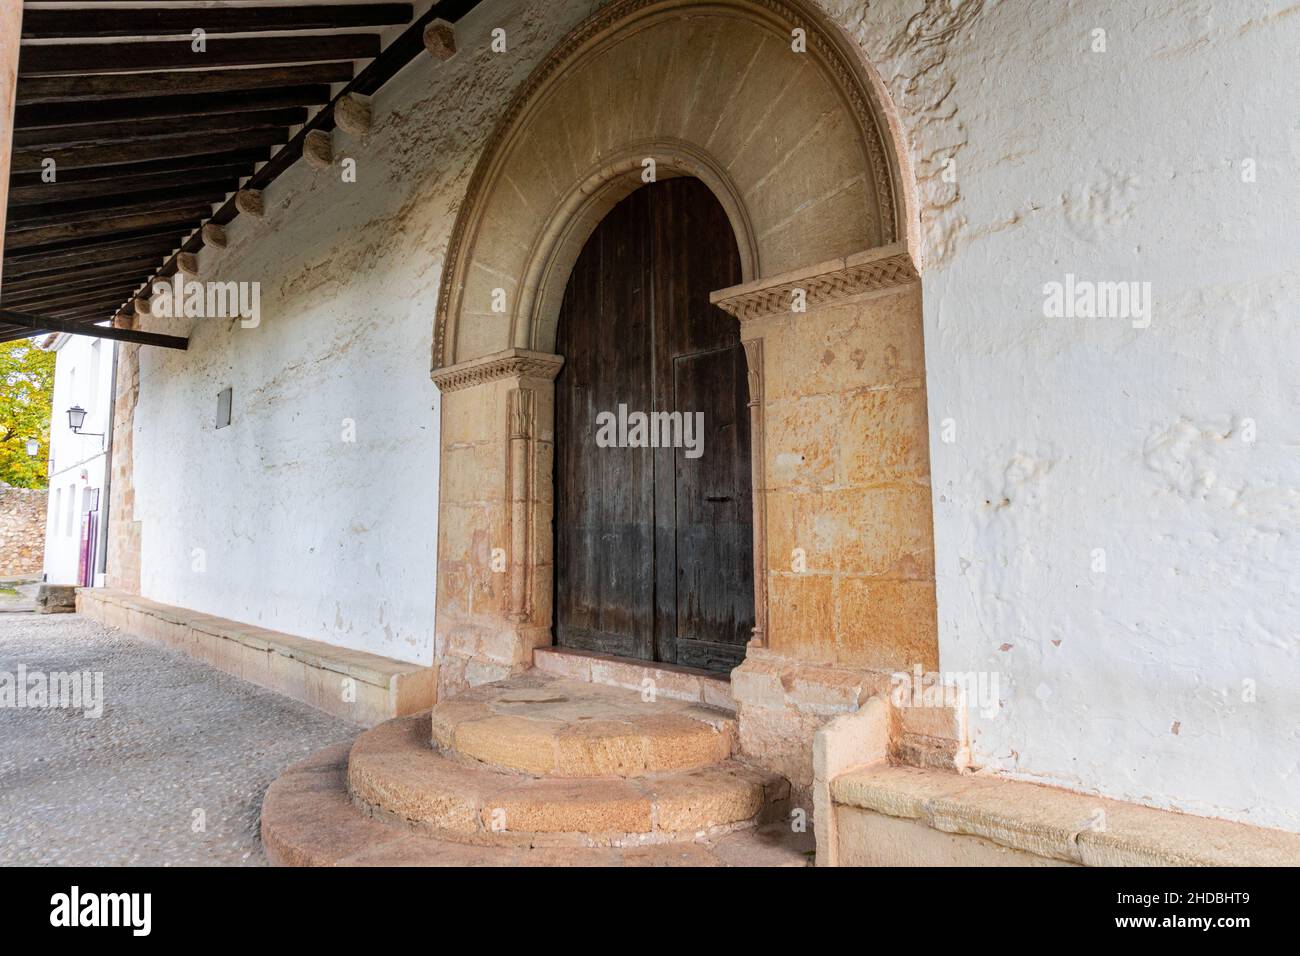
x=494 y=540
x=11 y=22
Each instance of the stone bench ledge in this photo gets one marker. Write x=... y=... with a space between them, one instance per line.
x=386 y=688
x=1060 y=824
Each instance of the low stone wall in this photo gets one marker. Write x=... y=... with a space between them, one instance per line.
x=910 y=816
x=873 y=812
x=22 y=530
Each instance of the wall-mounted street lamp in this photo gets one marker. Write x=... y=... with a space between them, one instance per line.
x=77 y=418
x=33 y=448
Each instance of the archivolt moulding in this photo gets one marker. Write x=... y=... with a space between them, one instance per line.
x=795 y=144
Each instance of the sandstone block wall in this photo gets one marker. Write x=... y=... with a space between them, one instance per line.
x=22 y=530
x=850 y=540
x=123 y=570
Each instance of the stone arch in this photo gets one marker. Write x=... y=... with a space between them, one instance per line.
x=796 y=145
x=799 y=148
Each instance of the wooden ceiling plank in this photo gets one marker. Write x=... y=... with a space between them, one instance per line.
x=104 y=264
x=87 y=233
x=136 y=56
x=21 y=218
x=98 y=310
x=75 y=88
x=71 y=157
x=372 y=77
x=50 y=301
x=71 y=260
x=120 y=131
x=135 y=241
x=52 y=277
x=244 y=158
x=55 y=23
x=43 y=115
x=72 y=282
x=24 y=196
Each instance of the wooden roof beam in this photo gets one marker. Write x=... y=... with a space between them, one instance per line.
x=50 y=238
x=395 y=56
x=21 y=197
x=32 y=160
x=39 y=116
x=56 y=213
x=135 y=56
x=118 y=172
x=76 y=88
x=121 y=131
x=42 y=323
x=116 y=290
x=55 y=23
x=161 y=240
x=55 y=278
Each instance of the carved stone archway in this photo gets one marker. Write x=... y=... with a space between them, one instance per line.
x=763 y=100
x=771 y=106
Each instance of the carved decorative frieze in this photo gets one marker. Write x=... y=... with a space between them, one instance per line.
x=876 y=270
x=510 y=363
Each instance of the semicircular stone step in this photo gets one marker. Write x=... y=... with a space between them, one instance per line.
x=563 y=728
x=309 y=819
x=395 y=775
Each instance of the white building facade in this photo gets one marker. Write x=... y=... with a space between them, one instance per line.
x=1052 y=450
x=78 y=491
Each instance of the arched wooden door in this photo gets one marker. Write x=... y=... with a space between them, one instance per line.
x=654 y=545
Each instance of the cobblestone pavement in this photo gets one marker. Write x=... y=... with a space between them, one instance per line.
x=176 y=737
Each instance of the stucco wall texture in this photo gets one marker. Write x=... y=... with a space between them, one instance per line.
x=1166 y=678
x=1114 y=505
x=278 y=520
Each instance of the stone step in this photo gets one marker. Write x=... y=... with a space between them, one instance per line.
x=548 y=726
x=395 y=775
x=309 y=819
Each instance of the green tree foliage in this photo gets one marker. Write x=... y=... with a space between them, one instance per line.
x=26 y=397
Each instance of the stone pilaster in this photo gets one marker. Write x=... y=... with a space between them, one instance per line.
x=494 y=542
x=842 y=498
x=122 y=570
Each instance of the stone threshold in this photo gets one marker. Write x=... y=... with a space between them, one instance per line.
x=364 y=688
x=669 y=680
x=1052 y=824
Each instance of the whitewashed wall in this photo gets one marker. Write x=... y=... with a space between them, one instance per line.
x=83 y=375
x=1170 y=677
x=1071 y=435
x=298 y=530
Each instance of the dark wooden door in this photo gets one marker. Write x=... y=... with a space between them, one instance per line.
x=654 y=546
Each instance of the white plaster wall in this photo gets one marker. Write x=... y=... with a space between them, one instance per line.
x=297 y=530
x=1071 y=435
x=1082 y=434
x=83 y=375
